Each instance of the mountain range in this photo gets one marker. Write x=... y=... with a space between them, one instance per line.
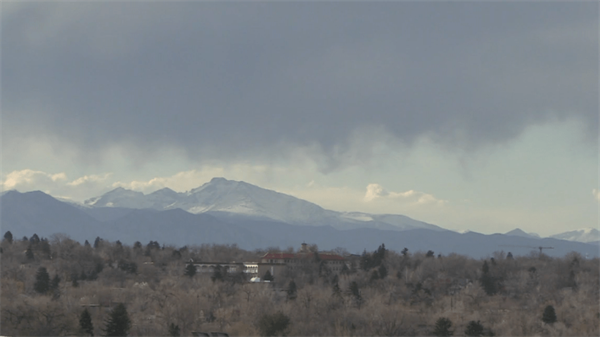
x=224 y=198
x=234 y=212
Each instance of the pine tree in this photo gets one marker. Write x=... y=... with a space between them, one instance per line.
x=97 y=242
x=45 y=248
x=292 y=289
x=442 y=327
x=29 y=253
x=8 y=237
x=405 y=252
x=218 y=274
x=549 y=315
x=55 y=283
x=474 y=329
x=85 y=323
x=273 y=325
x=35 y=239
x=174 y=330
x=190 y=270
x=487 y=281
x=268 y=276
x=42 y=281
x=118 y=322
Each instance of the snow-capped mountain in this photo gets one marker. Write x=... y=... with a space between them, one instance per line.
x=519 y=232
x=588 y=234
x=24 y=214
x=222 y=196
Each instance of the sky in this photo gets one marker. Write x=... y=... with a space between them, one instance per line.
x=470 y=115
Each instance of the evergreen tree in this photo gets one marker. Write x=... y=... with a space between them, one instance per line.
x=85 y=323
x=430 y=253
x=55 y=283
x=365 y=261
x=93 y=275
x=87 y=243
x=45 y=248
x=404 y=252
x=356 y=294
x=42 y=281
x=97 y=242
x=99 y=267
x=509 y=256
x=442 y=327
x=29 y=253
x=190 y=270
x=128 y=266
x=268 y=276
x=337 y=292
x=8 y=237
x=218 y=274
x=379 y=255
x=354 y=291
x=292 y=290
x=152 y=245
x=549 y=315
x=374 y=276
x=487 y=281
x=273 y=325
x=35 y=239
x=174 y=330
x=382 y=272
x=474 y=329
x=118 y=322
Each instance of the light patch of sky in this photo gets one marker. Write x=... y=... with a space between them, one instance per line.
x=540 y=182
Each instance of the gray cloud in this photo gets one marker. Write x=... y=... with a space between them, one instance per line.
x=239 y=80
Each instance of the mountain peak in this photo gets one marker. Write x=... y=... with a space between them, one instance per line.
x=222 y=196
x=165 y=190
x=521 y=233
x=588 y=234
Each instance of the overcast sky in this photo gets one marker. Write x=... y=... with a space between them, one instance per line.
x=468 y=115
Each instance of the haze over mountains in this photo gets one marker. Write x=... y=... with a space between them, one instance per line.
x=227 y=212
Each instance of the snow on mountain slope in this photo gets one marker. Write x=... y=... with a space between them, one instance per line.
x=237 y=197
x=587 y=234
x=120 y=197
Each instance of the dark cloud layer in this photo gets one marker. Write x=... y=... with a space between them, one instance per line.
x=240 y=79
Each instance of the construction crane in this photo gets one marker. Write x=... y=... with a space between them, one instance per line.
x=539 y=247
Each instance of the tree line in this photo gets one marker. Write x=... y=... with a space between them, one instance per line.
x=57 y=286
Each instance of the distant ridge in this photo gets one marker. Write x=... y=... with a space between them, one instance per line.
x=519 y=232
x=36 y=212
